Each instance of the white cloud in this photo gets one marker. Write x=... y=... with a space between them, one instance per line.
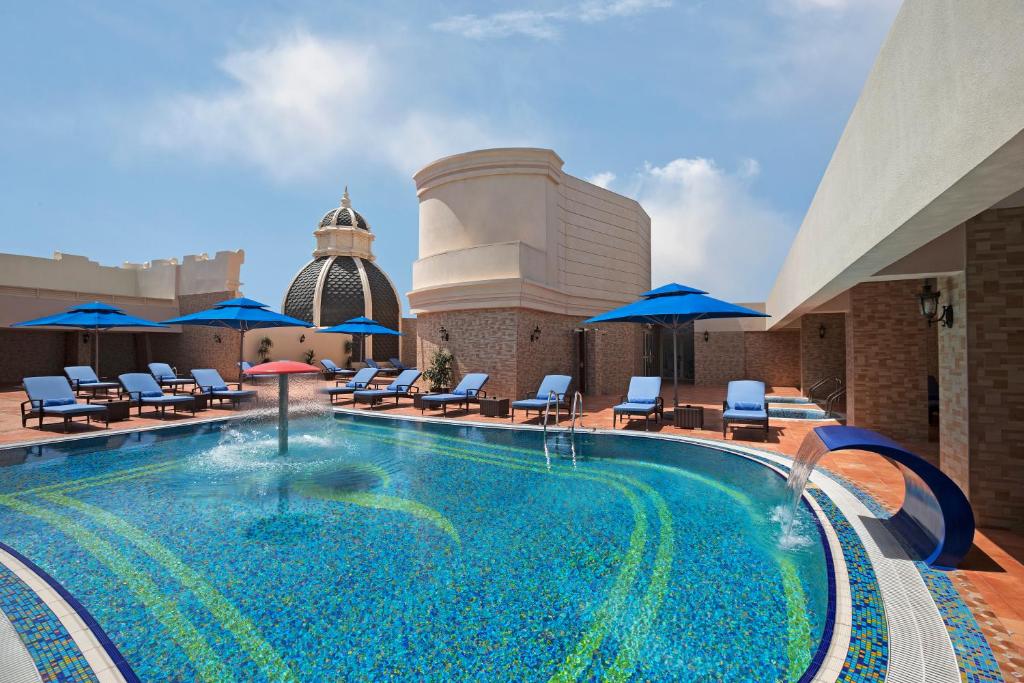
x=305 y=102
x=823 y=48
x=543 y=25
x=602 y=179
x=709 y=230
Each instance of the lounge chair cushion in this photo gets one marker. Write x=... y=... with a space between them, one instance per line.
x=644 y=390
x=74 y=409
x=166 y=398
x=442 y=398
x=538 y=403
x=635 y=407
x=54 y=402
x=744 y=414
x=152 y=394
x=470 y=384
x=745 y=394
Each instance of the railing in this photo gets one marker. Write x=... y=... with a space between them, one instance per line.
x=823 y=382
x=830 y=402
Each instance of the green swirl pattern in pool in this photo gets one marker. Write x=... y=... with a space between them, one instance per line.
x=391 y=550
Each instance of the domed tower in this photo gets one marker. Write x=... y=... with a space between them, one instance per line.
x=342 y=281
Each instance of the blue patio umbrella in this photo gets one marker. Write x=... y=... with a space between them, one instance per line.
x=94 y=316
x=362 y=326
x=672 y=306
x=239 y=314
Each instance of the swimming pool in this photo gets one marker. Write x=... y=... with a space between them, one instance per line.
x=404 y=550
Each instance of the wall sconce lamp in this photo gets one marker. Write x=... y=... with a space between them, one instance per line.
x=444 y=333
x=217 y=339
x=535 y=335
x=929 y=300
x=302 y=339
x=85 y=337
x=707 y=336
x=821 y=331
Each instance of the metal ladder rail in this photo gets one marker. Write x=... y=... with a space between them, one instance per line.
x=822 y=382
x=547 y=413
x=832 y=398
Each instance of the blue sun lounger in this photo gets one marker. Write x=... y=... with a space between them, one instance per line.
x=53 y=397
x=83 y=378
x=399 y=365
x=166 y=377
x=745 y=404
x=558 y=385
x=469 y=389
x=142 y=388
x=379 y=368
x=402 y=387
x=360 y=381
x=332 y=370
x=212 y=385
x=643 y=398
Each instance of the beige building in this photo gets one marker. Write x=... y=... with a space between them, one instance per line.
x=32 y=287
x=514 y=254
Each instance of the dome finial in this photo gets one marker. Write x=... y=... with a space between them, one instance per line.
x=345 y=201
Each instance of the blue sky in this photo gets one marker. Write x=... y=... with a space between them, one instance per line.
x=134 y=131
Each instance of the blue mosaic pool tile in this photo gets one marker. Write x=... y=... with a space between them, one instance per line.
x=55 y=654
x=868 y=656
x=973 y=652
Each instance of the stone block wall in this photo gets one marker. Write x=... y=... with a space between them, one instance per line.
x=719 y=359
x=822 y=357
x=481 y=341
x=497 y=341
x=407 y=343
x=886 y=360
x=30 y=353
x=994 y=280
x=772 y=357
x=197 y=347
x=615 y=354
x=954 y=404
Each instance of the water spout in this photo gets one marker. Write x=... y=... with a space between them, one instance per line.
x=936 y=519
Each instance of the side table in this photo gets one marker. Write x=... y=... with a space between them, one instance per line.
x=493 y=407
x=117 y=409
x=689 y=417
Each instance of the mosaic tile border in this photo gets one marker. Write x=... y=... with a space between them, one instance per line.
x=90 y=622
x=56 y=655
x=973 y=651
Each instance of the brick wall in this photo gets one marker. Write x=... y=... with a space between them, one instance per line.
x=497 y=341
x=772 y=357
x=30 y=353
x=615 y=355
x=481 y=340
x=720 y=359
x=886 y=366
x=407 y=343
x=994 y=279
x=197 y=346
x=822 y=357
x=954 y=406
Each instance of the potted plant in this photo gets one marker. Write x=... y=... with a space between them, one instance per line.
x=441 y=372
x=264 y=349
x=308 y=356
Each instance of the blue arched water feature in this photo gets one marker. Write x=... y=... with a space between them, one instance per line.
x=935 y=517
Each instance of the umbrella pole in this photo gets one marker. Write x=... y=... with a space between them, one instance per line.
x=96 y=349
x=675 y=369
x=241 y=354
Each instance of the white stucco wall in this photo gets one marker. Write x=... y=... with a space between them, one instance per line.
x=508 y=228
x=936 y=137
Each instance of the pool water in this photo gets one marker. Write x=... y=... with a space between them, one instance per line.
x=382 y=549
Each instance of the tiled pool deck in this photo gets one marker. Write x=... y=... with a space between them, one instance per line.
x=986 y=593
